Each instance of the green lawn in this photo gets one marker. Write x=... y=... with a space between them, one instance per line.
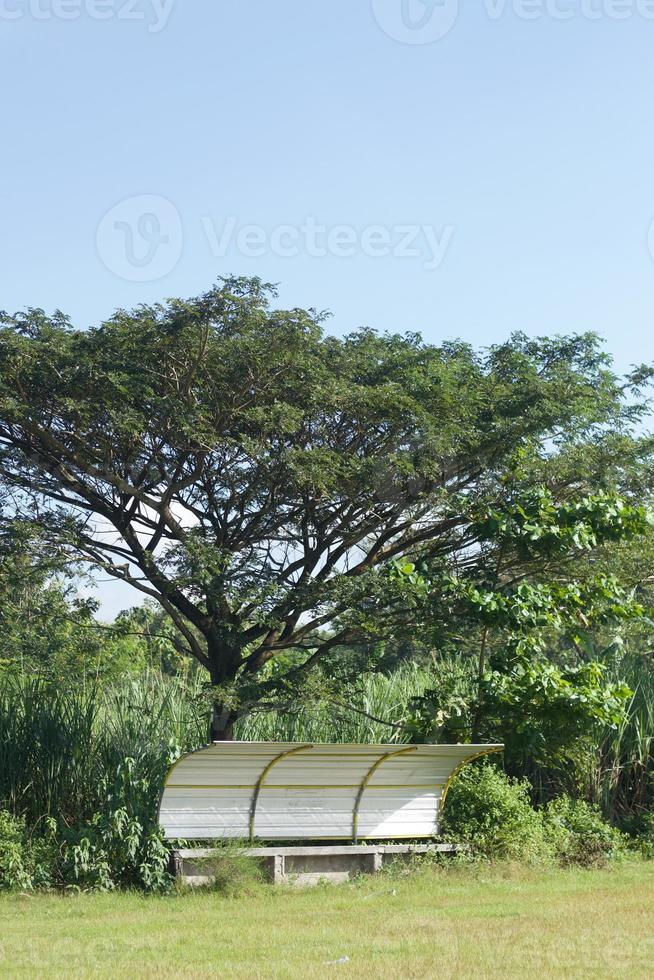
x=500 y=923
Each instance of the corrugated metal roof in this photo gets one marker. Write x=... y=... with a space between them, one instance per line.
x=286 y=791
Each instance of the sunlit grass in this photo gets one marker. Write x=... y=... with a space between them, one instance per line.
x=459 y=924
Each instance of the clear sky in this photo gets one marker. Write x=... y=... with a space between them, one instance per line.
x=462 y=170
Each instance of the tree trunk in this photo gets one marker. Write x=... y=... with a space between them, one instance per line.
x=222 y=724
x=479 y=706
x=224 y=667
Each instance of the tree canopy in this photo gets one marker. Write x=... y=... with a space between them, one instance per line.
x=263 y=480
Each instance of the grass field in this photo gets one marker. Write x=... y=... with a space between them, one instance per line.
x=499 y=923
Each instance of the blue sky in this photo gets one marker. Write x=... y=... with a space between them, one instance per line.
x=460 y=170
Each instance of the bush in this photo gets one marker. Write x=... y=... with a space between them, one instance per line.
x=644 y=841
x=232 y=873
x=492 y=813
x=13 y=870
x=579 y=834
x=25 y=864
x=121 y=846
x=113 y=851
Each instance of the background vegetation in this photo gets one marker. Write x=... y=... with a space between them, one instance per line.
x=366 y=538
x=82 y=766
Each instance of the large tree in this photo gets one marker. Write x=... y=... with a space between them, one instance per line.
x=259 y=478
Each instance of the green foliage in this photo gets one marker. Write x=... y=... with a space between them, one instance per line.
x=544 y=713
x=25 y=860
x=152 y=639
x=573 y=730
x=644 y=838
x=523 y=613
x=58 y=747
x=493 y=815
x=615 y=768
x=443 y=713
x=579 y=833
x=369 y=711
x=113 y=849
x=542 y=710
x=542 y=527
x=526 y=618
x=13 y=871
x=47 y=628
x=232 y=874
x=120 y=846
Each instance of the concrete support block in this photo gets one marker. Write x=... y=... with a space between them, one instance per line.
x=279 y=869
x=375 y=862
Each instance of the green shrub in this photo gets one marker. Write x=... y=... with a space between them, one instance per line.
x=492 y=814
x=644 y=839
x=233 y=873
x=579 y=834
x=25 y=863
x=121 y=846
x=113 y=851
x=13 y=870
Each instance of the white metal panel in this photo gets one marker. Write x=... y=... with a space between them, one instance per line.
x=287 y=791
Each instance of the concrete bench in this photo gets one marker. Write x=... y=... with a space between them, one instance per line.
x=304 y=865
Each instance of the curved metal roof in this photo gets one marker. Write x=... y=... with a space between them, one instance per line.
x=289 y=791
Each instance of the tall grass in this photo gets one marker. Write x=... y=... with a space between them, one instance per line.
x=374 y=717
x=58 y=746
x=619 y=771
